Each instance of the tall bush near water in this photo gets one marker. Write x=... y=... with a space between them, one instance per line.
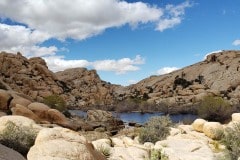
x=215 y=109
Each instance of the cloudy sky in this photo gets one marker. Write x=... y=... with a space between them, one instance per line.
x=124 y=40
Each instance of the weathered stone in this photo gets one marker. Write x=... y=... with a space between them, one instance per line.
x=19 y=100
x=133 y=153
x=236 y=117
x=24 y=111
x=9 y=154
x=198 y=125
x=5 y=99
x=99 y=115
x=18 y=132
x=2 y=114
x=39 y=109
x=54 y=116
x=60 y=143
x=213 y=130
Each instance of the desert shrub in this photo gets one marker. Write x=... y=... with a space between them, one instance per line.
x=157 y=128
x=18 y=138
x=231 y=140
x=156 y=154
x=55 y=102
x=104 y=150
x=215 y=109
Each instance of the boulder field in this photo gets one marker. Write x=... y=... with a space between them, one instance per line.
x=186 y=142
x=217 y=75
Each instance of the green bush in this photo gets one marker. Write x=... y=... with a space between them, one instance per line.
x=215 y=109
x=55 y=102
x=18 y=138
x=231 y=140
x=156 y=154
x=156 y=129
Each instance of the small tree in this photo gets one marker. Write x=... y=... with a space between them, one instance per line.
x=156 y=129
x=231 y=140
x=55 y=102
x=215 y=109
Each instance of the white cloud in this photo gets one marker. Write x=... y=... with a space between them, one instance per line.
x=132 y=81
x=173 y=15
x=58 y=63
x=80 y=19
x=166 y=70
x=236 y=42
x=21 y=39
x=121 y=66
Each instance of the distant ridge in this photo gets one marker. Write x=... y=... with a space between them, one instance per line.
x=218 y=74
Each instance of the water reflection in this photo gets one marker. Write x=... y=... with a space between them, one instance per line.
x=141 y=118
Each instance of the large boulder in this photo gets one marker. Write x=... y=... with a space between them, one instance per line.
x=213 y=130
x=99 y=115
x=198 y=125
x=128 y=153
x=61 y=143
x=9 y=154
x=5 y=98
x=236 y=117
x=19 y=100
x=39 y=109
x=24 y=111
x=18 y=132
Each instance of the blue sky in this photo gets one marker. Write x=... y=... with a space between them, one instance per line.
x=125 y=41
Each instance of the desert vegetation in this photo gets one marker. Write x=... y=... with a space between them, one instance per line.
x=231 y=140
x=55 y=102
x=215 y=109
x=18 y=138
x=156 y=129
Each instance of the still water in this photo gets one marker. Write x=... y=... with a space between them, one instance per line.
x=141 y=118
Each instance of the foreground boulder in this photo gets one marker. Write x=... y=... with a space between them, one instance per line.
x=198 y=125
x=9 y=154
x=18 y=132
x=61 y=143
x=236 y=117
x=213 y=130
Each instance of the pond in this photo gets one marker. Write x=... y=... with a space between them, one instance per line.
x=141 y=118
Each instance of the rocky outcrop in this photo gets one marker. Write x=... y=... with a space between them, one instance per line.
x=105 y=120
x=86 y=88
x=60 y=143
x=217 y=75
x=4 y=100
x=28 y=76
x=9 y=154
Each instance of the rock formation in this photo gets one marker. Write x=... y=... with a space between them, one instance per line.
x=217 y=75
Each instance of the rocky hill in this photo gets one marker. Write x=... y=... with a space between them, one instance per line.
x=217 y=75
x=79 y=87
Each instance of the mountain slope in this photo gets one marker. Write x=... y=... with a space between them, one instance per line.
x=217 y=75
